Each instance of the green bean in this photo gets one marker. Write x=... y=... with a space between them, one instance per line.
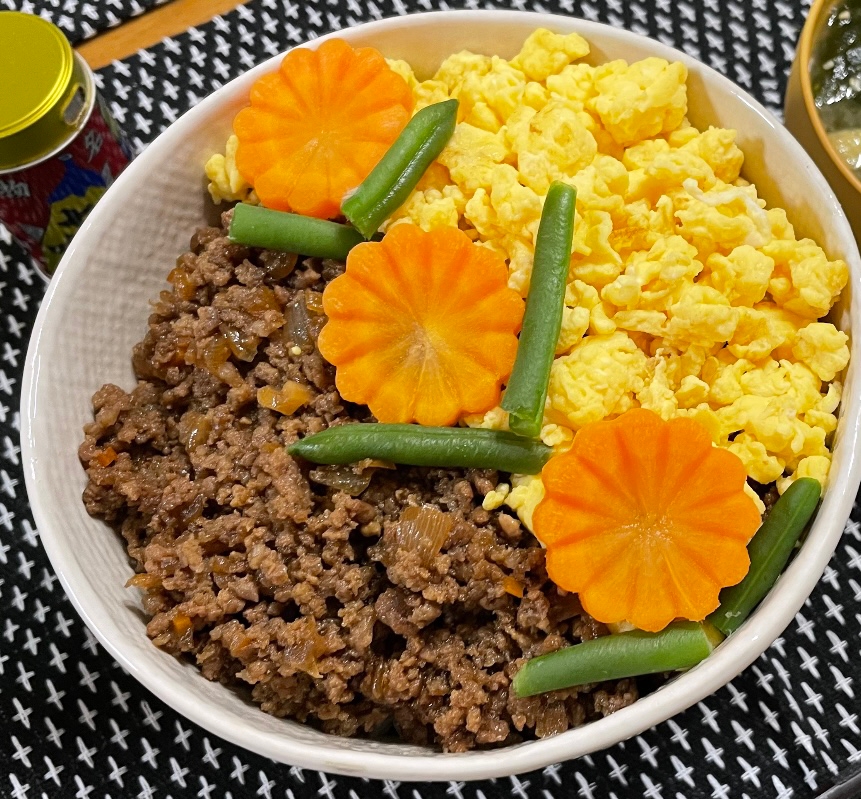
x=276 y=230
x=613 y=657
x=769 y=552
x=527 y=389
x=415 y=445
x=400 y=169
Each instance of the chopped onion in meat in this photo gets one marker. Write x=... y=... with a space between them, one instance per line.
x=298 y=327
x=342 y=478
x=287 y=400
x=423 y=530
x=242 y=345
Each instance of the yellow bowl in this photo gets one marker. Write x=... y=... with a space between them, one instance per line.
x=803 y=121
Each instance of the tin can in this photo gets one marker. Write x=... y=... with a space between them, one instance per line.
x=59 y=147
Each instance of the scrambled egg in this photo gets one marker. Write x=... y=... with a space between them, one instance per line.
x=686 y=294
x=226 y=184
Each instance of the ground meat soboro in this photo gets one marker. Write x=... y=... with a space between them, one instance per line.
x=297 y=580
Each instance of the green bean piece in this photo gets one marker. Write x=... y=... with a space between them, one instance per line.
x=387 y=187
x=277 y=230
x=415 y=445
x=680 y=645
x=769 y=552
x=526 y=392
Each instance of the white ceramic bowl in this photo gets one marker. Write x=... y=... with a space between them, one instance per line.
x=96 y=309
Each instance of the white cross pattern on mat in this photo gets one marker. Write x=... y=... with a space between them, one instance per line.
x=79 y=19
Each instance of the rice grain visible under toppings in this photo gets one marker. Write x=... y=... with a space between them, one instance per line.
x=267 y=574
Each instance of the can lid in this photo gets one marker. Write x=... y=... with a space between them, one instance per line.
x=36 y=69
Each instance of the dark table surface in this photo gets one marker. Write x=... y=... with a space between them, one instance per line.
x=77 y=726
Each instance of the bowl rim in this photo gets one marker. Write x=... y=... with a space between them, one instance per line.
x=805 y=49
x=735 y=654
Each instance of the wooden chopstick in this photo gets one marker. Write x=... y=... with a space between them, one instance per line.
x=150 y=28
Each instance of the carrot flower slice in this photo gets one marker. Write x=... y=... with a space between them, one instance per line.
x=317 y=127
x=645 y=520
x=422 y=326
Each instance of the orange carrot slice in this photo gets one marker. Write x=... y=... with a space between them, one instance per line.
x=646 y=520
x=422 y=326
x=317 y=127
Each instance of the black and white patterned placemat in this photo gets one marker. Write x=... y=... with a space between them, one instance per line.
x=77 y=727
x=82 y=19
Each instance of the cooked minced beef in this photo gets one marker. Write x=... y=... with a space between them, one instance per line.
x=258 y=567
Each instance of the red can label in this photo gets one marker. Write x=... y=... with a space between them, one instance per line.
x=44 y=205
